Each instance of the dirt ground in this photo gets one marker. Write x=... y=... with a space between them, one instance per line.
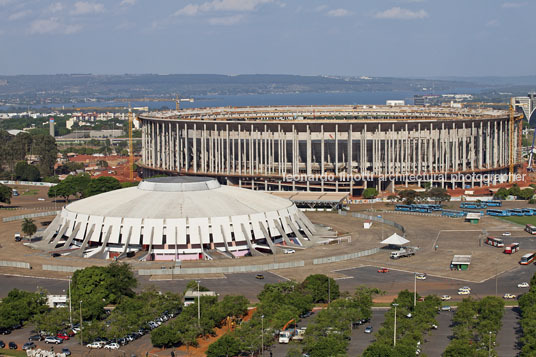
x=452 y=236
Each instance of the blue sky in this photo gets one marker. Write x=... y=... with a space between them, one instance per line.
x=400 y=38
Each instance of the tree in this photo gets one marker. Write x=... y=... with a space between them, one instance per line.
x=501 y=193
x=514 y=190
x=317 y=286
x=327 y=346
x=526 y=193
x=101 y=185
x=408 y=196
x=370 y=193
x=64 y=189
x=28 y=227
x=19 y=306
x=26 y=172
x=438 y=194
x=102 y=163
x=226 y=346
x=44 y=146
x=379 y=350
x=5 y=194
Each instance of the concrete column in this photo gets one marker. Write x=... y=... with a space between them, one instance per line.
x=250 y=158
x=349 y=149
x=480 y=147
x=336 y=170
x=322 y=153
x=194 y=149
x=464 y=147
x=309 y=151
x=239 y=150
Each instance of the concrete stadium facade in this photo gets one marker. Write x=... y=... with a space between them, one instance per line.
x=179 y=218
x=333 y=148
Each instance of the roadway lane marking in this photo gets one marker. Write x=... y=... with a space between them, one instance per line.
x=280 y=276
x=34 y=277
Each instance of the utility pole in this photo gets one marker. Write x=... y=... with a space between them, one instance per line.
x=414 y=289
x=70 y=306
x=198 y=305
x=81 y=329
x=394 y=333
x=262 y=335
x=489 y=347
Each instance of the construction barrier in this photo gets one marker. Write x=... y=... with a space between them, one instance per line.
x=340 y=258
x=30 y=215
x=62 y=268
x=7 y=263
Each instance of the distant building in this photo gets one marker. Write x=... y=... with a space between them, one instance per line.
x=527 y=106
x=394 y=103
x=51 y=127
x=424 y=100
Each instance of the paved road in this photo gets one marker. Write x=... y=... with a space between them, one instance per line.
x=360 y=340
x=508 y=336
x=394 y=281
x=437 y=341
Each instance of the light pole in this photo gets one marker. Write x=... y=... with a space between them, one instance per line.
x=81 y=329
x=70 y=306
x=489 y=347
x=394 y=333
x=329 y=291
x=262 y=335
x=198 y=305
x=414 y=289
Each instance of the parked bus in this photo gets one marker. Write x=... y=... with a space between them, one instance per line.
x=511 y=248
x=495 y=242
x=528 y=211
x=473 y=205
x=527 y=259
x=493 y=203
x=529 y=228
x=403 y=208
x=516 y=212
x=498 y=212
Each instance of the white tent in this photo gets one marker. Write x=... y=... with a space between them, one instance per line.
x=395 y=239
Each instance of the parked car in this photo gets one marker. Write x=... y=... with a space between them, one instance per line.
x=66 y=351
x=509 y=296
x=523 y=285
x=259 y=276
x=421 y=276
x=112 y=346
x=409 y=315
x=464 y=292
x=507 y=234
x=35 y=338
x=445 y=297
x=446 y=308
x=5 y=331
x=94 y=345
x=289 y=251
x=368 y=329
x=434 y=326
x=13 y=346
x=28 y=346
x=55 y=255
x=63 y=336
x=2 y=344
x=53 y=339
x=383 y=270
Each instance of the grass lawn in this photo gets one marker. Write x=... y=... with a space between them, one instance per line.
x=521 y=219
x=30 y=193
x=15 y=353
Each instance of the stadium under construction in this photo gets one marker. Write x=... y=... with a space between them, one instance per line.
x=334 y=148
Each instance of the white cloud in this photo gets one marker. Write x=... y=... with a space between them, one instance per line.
x=52 y=25
x=55 y=7
x=338 y=12
x=221 y=5
x=86 y=7
x=492 y=23
x=127 y=2
x=401 y=14
x=19 y=15
x=513 y=5
x=225 y=20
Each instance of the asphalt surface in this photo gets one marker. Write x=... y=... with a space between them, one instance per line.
x=437 y=340
x=508 y=336
x=524 y=242
x=360 y=340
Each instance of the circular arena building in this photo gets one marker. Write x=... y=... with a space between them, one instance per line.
x=333 y=148
x=178 y=218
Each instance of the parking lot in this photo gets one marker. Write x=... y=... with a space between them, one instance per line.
x=437 y=340
x=360 y=340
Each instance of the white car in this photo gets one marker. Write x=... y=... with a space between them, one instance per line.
x=507 y=234
x=112 y=346
x=445 y=297
x=523 y=285
x=421 y=276
x=509 y=296
x=289 y=251
x=94 y=345
x=465 y=288
x=53 y=339
x=464 y=292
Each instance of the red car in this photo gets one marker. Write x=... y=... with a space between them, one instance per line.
x=63 y=336
x=383 y=270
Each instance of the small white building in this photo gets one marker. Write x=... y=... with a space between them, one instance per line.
x=367 y=224
x=57 y=301
x=191 y=296
x=395 y=103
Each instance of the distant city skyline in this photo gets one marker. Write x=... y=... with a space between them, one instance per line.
x=399 y=38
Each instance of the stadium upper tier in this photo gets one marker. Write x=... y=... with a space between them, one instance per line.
x=333 y=148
